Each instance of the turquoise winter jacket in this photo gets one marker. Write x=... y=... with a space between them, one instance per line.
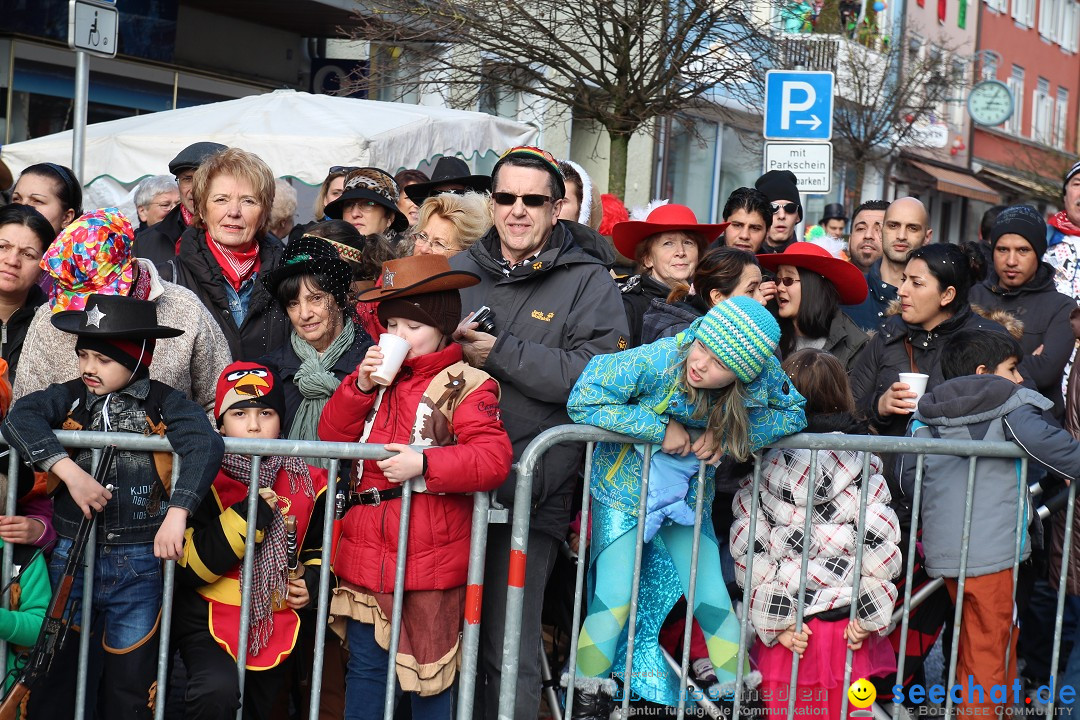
x=636 y=391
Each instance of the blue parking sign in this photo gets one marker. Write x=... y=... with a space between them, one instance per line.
x=798 y=105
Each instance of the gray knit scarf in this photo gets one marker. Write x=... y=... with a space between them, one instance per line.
x=317 y=383
x=270 y=570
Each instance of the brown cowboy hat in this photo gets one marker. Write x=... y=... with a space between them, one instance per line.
x=845 y=277
x=417 y=275
x=666 y=218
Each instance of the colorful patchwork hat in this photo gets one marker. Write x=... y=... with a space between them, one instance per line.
x=91 y=255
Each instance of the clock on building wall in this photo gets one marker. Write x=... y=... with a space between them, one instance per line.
x=990 y=103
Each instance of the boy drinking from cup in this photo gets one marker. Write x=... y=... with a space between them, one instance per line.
x=437 y=401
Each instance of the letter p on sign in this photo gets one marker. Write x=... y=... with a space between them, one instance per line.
x=796 y=97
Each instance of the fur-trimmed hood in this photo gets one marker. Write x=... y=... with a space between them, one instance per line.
x=1013 y=325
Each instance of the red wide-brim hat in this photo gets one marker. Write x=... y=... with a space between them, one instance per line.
x=845 y=277
x=666 y=218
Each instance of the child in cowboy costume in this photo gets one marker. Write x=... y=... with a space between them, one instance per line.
x=438 y=401
x=250 y=404
x=142 y=518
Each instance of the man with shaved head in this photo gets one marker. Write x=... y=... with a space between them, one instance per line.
x=904 y=230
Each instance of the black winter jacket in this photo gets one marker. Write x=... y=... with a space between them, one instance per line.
x=883 y=359
x=13 y=332
x=265 y=326
x=638 y=292
x=157 y=243
x=845 y=340
x=285 y=362
x=664 y=319
x=1045 y=315
x=552 y=316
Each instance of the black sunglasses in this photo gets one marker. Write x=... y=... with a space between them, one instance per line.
x=789 y=208
x=530 y=199
x=787 y=281
x=342 y=169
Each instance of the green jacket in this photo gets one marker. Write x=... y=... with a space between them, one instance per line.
x=20 y=626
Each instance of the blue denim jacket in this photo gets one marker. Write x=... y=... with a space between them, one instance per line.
x=130 y=516
x=239 y=301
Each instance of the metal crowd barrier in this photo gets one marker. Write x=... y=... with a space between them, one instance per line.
x=336 y=453
x=527 y=466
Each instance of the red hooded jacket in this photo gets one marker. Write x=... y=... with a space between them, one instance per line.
x=473 y=454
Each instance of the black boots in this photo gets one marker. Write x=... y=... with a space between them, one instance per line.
x=592 y=699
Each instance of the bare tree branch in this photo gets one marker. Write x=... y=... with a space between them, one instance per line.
x=619 y=63
x=886 y=93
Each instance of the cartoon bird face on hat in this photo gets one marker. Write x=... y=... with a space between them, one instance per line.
x=245 y=385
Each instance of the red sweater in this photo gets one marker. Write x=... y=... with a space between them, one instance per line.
x=473 y=454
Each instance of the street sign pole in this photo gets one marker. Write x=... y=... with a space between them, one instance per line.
x=92 y=29
x=798 y=121
x=82 y=98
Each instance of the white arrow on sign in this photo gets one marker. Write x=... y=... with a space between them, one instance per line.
x=814 y=124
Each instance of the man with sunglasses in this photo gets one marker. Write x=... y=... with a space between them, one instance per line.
x=554 y=307
x=781 y=188
x=158 y=243
x=905 y=229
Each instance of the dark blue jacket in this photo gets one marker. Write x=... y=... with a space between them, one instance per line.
x=869 y=315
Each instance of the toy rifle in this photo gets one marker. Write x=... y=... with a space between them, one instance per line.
x=57 y=622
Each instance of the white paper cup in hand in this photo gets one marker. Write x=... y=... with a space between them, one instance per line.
x=916 y=383
x=394 y=349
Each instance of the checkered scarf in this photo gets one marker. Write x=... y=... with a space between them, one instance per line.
x=271 y=567
x=780 y=534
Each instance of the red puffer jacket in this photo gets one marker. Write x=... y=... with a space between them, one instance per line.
x=480 y=459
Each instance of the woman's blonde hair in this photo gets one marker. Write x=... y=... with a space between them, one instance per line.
x=728 y=423
x=242 y=165
x=319 y=207
x=470 y=214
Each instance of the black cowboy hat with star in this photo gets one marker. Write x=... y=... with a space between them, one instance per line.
x=114 y=316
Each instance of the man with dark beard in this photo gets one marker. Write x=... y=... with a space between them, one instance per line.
x=905 y=230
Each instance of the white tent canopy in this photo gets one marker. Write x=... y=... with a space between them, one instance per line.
x=298 y=134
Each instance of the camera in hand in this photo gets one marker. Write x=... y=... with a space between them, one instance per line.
x=485 y=320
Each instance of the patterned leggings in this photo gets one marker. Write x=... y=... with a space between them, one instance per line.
x=609 y=607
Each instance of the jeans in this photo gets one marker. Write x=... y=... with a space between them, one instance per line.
x=1071 y=675
x=365 y=681
x=125 y=613
x=127 y=590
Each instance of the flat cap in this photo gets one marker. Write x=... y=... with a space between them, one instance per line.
x=193 y=155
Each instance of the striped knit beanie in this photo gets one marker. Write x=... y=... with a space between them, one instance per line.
x=742 y=333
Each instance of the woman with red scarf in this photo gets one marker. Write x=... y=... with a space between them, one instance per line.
x=223 y=254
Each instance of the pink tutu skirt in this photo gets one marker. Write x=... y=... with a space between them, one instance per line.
x=821 y=688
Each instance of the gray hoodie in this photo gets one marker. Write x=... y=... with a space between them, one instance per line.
x=991 y=408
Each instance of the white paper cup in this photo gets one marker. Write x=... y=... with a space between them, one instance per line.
x=394 y=350
x=916 y=383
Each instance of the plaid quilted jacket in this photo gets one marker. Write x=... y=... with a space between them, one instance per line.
x=833 y=499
